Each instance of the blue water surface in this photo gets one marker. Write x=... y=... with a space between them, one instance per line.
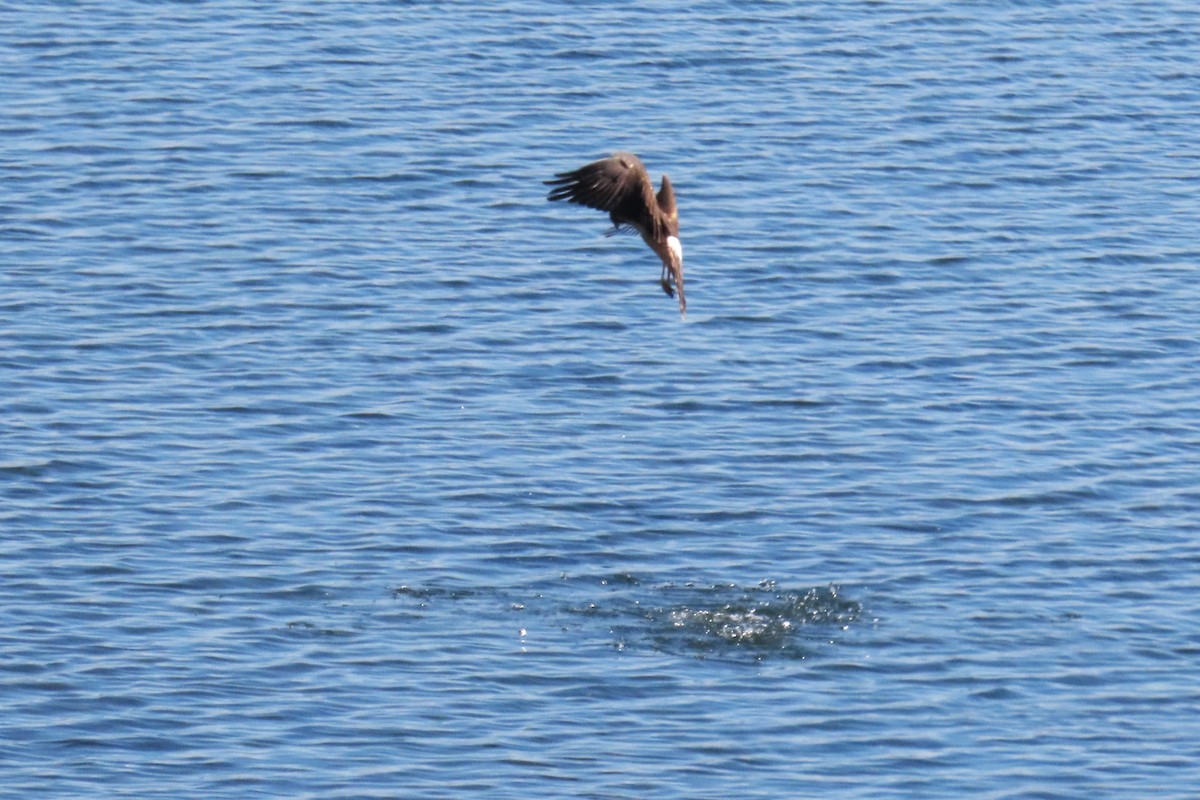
x=337 y=463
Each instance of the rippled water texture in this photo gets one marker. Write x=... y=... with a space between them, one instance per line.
x=337 y=463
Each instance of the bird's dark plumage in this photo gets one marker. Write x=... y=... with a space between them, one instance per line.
x=621 y=186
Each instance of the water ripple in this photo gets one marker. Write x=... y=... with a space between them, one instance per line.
x=287 y=324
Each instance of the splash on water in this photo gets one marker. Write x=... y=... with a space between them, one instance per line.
x=757 y=622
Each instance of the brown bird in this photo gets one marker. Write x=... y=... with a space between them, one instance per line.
x=620 y=185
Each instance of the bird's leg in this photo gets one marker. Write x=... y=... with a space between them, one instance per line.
x=665 y=281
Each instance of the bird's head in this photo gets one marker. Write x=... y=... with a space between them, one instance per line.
x=676 y=249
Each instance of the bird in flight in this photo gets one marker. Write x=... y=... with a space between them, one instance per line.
x=621 y=186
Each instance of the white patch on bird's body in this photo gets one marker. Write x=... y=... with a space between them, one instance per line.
x=676 y=248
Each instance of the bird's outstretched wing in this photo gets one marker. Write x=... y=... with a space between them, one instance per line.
x=618 y=184
x=666 y=204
